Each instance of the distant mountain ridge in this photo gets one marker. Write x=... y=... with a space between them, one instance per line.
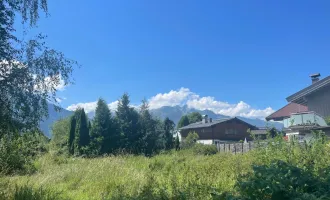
x=174 y=113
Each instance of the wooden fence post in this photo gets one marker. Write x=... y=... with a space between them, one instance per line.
x=235 y=148
x=242 y=147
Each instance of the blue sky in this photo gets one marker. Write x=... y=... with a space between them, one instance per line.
x=256 y=52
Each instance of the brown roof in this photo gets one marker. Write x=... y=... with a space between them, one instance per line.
x=286 y=111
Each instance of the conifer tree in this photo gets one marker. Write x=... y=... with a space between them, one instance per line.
x=102 y=130
x=128 y=120
x=168 y=133
x=72 y=135
x=148 y=131
x=81 y=134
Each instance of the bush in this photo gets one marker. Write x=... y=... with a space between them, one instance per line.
x=17 y=152
x=203 y=149
x=11 y=158
x=190 y=140
x=282 y=180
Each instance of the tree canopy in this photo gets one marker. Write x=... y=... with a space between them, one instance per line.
x=30 y=72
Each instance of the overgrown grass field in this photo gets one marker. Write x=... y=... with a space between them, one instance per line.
x=179 y=175
x=170 y=175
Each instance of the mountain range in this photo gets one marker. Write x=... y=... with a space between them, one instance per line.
x=174 y=113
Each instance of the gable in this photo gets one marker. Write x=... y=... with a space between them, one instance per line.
x=300 y=97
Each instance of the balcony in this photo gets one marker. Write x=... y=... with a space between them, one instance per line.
x=310 y=119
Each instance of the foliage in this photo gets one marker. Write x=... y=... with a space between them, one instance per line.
x=148 y=129
x=11 y=158
x=81 y=137
x=190 y=140
x=128 y=120
x=278 y=170
x=60 y=142
x=327 y=120
x=30 y=72
x=17 y=152
x=184 y=121
x=203 y=149
x=194 y=117
x=189 y=119
x=72 y=133
x=168 y=133
x=26 y=192
x=281 y=180
x=103 y=129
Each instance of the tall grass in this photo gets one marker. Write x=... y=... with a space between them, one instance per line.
x=172 y=175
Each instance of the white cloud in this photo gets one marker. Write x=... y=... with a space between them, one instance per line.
x=91 y=106
x=172 y=98
x=88 y=107
x=113 y=105
x=193 y=100
x=184 y=96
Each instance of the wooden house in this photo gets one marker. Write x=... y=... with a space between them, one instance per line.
x=219 y=131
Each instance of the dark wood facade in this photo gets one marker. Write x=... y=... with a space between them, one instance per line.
x=319 y=101
x=231 y=130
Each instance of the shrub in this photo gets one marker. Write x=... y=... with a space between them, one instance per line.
x=11 y=158
x=281 y=180
x=203 y=149
x=17 y=152
x=190 y=140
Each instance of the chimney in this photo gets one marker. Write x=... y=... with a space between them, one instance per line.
x=315 y=77
x=210 y=120
x=205 y=119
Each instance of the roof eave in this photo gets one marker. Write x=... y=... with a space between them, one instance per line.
x=298 y=97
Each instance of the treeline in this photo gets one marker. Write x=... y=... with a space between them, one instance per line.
x=129 y=131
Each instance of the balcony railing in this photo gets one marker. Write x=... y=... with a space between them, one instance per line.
x=304 y=119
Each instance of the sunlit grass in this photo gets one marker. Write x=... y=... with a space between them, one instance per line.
x=129 y=176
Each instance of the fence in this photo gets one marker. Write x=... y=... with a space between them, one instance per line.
x=235 y=147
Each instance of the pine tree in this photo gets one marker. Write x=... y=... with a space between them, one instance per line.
x=103 y=128
x=81 y=134
x=148 y=131
x=168 y=133
x=72 y=135
x=184 y=121
x=128 y=120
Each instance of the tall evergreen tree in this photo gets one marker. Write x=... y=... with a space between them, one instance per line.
x=148 y=126
x=184 y=121
x=103 y=128
x=72 y=135
x=82 y=133
x=168 y=133
x=129 y=127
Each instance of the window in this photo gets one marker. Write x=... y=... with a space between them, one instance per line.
x=231 y=131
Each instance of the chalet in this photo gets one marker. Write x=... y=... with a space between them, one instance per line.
x=306 y=109
x=219 y=131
